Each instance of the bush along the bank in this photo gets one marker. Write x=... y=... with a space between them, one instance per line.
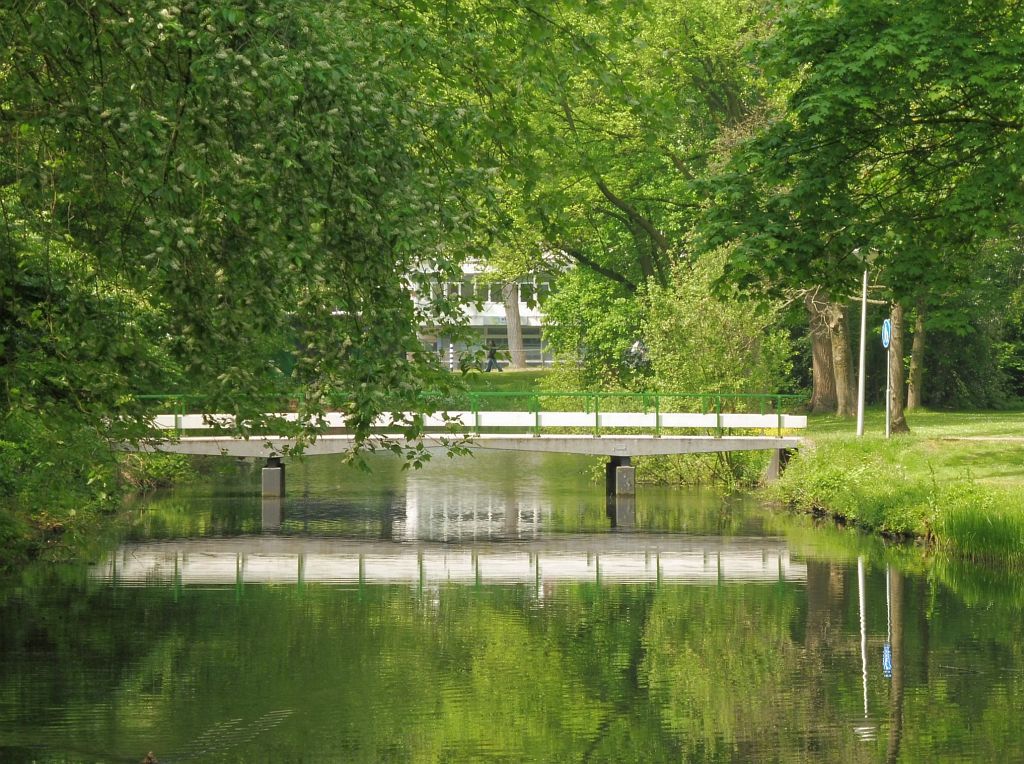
x=146 y=472
x=59 y=483
x=867 y=482
x=730 y=471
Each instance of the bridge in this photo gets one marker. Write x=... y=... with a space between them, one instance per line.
x=588 y=423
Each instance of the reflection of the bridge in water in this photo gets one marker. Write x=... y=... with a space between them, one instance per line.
x=439 y=513
x=609 y=557
x=427 y=509
x=423 y=509
x=499 y=537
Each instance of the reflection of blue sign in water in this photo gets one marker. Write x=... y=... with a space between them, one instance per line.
x=886 y=333
x=887 y=659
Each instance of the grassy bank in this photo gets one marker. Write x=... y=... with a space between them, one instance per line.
x=957 y=479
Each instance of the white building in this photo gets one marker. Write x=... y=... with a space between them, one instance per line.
x=484 y=308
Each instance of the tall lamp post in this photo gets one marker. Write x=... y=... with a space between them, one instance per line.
x=863 y=349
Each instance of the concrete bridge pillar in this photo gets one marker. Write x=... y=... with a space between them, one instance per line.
x=273 y=477
x=620 y=477
x=621 y=511
x=272 y=513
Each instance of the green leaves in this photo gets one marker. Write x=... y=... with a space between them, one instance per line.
x=899 y=126
x=249 y=171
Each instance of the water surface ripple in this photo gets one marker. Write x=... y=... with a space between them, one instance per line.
x=499 y=608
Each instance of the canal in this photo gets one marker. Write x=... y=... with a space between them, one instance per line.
x=496 y=608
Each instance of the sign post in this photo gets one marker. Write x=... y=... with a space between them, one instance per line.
x=886 y=339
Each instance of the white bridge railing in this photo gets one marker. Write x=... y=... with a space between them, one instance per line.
x=519 y=420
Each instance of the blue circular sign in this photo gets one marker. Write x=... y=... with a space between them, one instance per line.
x=886 y=333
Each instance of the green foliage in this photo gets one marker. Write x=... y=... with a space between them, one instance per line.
x=590 y=324
x=894 y=146
x=624 y=100
x=189 y=191
x=147 y=471
x=729 y=471
x=14 y=538
x=700 y=341
x=969 y=370
x=981 y=523
x=1010 y=347
x=253 y=173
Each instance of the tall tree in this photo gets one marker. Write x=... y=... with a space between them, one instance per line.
x=266 y=179
x=901 y=132
x=897 y=375
x=824 y=397
x=602 y=116
x=513 y=324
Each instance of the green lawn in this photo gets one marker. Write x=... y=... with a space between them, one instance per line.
x=930 y=424
x=506 y=381
x=936 y=447
x=943 y=481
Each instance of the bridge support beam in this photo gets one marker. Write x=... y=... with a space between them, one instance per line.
x=273 y=478
x=620 y=477
x=776 y=464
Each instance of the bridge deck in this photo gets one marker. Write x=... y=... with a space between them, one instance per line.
x=604 y=445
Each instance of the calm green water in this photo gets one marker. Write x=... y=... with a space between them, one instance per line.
x=490 y=609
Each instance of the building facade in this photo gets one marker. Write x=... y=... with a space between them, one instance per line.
x=486 y=315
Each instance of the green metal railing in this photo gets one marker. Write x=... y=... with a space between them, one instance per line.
x=537 y=402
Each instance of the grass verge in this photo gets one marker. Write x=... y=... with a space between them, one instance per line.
x=945 y=482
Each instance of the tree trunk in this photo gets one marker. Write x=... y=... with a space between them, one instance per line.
x=896 y=646
x=823 y=380
x=896 y=375
x=842 y=359
x=513 y=325
x=916 y=363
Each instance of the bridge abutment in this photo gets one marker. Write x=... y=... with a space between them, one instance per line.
x=272 y=513
x=621 y=511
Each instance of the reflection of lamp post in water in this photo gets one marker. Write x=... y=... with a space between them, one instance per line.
x=887 y=647
x=863 y=632
x=867 y=730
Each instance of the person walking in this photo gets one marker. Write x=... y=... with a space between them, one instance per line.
x=492 y=357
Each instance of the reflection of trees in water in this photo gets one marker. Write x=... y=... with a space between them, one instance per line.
x=894 y=579
x=616 y=672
